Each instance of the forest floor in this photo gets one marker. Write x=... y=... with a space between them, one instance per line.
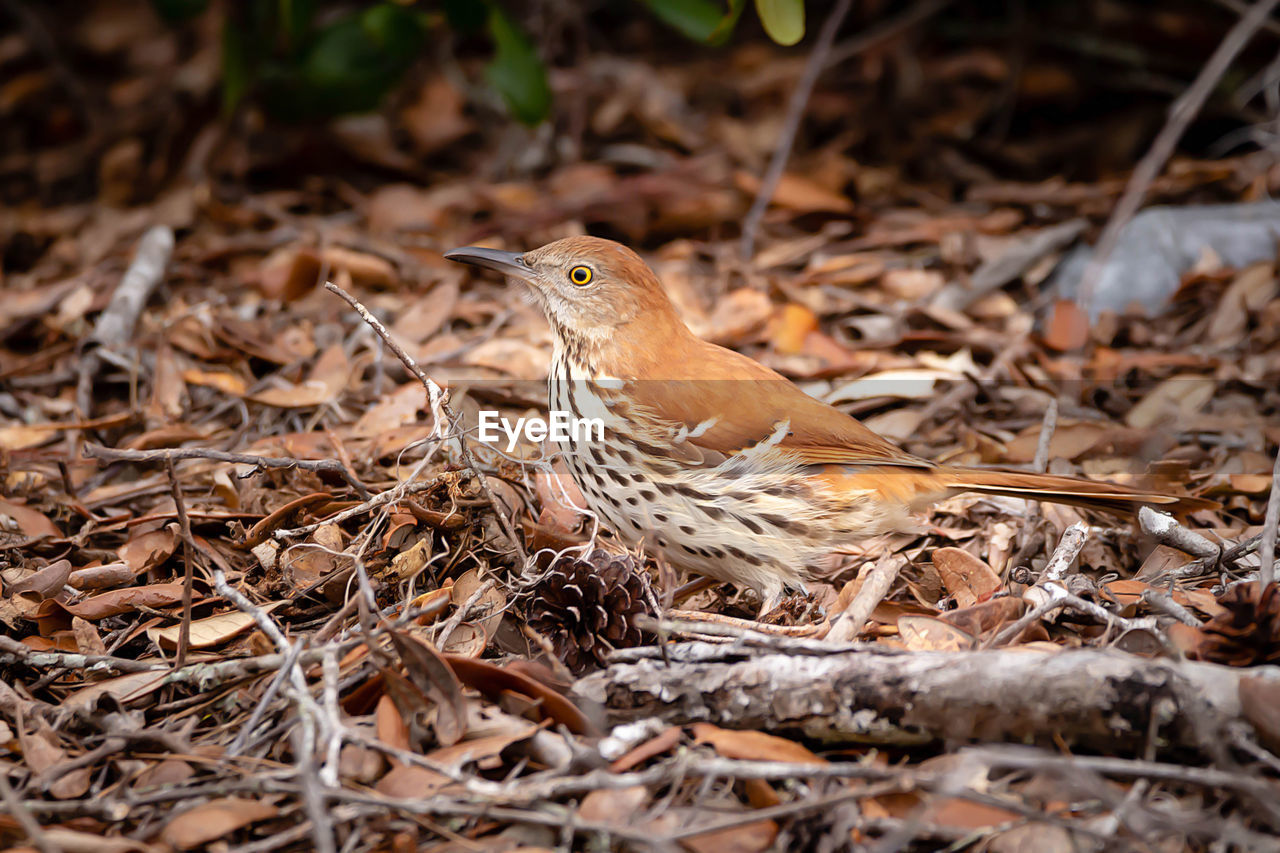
x=249 y=595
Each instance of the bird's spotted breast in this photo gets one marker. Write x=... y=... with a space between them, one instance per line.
x=728 y=519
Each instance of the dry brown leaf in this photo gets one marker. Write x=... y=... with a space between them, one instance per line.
x=799 y=193
x=73 y=841
x=735 y=315
x=748 y=838
x=467 y=640
x=493 y=603
x=427 y=314
x=363 y=267
x=87 y=640
x=1071 y=440
x=613 y=805
x=327 y=380
x=25 y=436
x=290 y=273
x=168 y=391
x=389 y=725
x=221 y=380
x=493 y=681
x=791 y=326
x=126 y=687
x=967 y=579
x=558 y=494
x=924 y=633
x=1253 y=287
x=966 y=814
x=210 y=631
x=45 y=583
x=430 y=673
x=411 y=782
x=1172 y=401
x=1068 y=327
x=215 y=819
x=31 y=523
x=146 y=550
x=654 y=746
x=754 y=746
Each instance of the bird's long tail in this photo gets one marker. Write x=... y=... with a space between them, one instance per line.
x=1067 y=490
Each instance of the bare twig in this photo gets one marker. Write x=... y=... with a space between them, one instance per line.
x=1064 y=555
x=381 y=499
x=718 y=624
x=875 y=586
x=443 y=416
x=188 y=560
x=1159 y=600
x=1047 y=429
x=115 y=325
x=246 y=731
x=1267 y=550
x=462 y=612
x=22 y=816
x=114 y=328
x=1181 y=113
x=791 y=126
x=319 y=466
x=1029 y=618
x=1102 y=614
x=1167 y=531
x=884 y=31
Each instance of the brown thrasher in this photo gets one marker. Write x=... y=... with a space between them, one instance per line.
x=722 y=465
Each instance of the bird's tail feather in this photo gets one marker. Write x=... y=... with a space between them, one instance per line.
x=1068 y=490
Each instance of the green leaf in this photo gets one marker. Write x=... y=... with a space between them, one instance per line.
x=697 y=19
x=516 y=71
x=465 y=17
x=236 y=73
x=727 y=23
x=175 y=11
x=293 y=22
x=783 y=19
x=347 y=67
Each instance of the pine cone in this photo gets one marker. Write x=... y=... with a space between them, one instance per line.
x=587 y=607
x=1248 y=634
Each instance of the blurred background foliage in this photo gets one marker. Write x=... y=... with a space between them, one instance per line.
x=307 y=59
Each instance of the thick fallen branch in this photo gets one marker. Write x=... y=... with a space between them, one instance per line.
x=1101 y=699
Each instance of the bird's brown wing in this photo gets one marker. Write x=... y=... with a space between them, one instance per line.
x=727 y=402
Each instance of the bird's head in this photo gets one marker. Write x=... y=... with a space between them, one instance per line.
x=587 y=286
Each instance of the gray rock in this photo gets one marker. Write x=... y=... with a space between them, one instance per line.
x=1161 y=243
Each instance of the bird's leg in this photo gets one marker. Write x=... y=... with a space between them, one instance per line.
x=693 y=587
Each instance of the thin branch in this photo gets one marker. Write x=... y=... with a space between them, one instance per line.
x=188 y=560
x=791 y=126
x=167 y=454
x=442 y=414
x=1267 y=550
x=875 y=586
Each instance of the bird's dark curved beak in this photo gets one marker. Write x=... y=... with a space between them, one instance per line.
x=507 y=263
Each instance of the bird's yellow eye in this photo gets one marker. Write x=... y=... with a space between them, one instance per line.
x=580 y=275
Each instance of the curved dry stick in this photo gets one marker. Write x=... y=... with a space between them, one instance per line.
x=442 y=415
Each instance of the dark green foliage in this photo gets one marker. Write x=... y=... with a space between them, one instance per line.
x=345 y=67
x=179 y=10
x=711 y=21
x=300 y=64
x=516 y=71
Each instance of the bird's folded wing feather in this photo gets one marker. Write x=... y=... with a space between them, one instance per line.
x=729 y=403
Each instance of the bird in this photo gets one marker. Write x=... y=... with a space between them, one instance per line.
x=714 y=462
